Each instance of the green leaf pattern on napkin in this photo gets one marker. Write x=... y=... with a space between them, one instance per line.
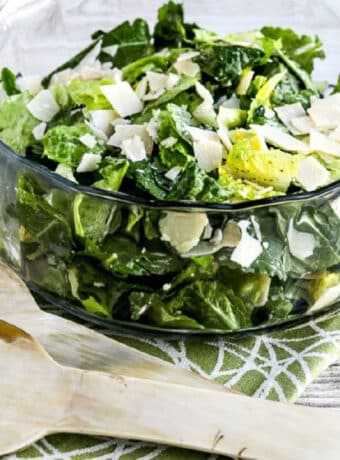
x=276 y=365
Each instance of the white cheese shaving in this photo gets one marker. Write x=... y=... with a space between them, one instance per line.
x=330 y=296
x=278 y=138
x=173 y=172
x=256 y=227
x=244 y=83
x=205 y=112
x=325 y=112
x=335 y=205
x=30 y=83
x=152 y=128
x=335 y=135
x=98 y=132
x=203 y=92
x=248 y=249
x=122 y=98
x=157 y=81
x=141 y=88
x=301 y=244
x=120 y=121
x=303 y=125
x=39 y=131
x=185 y=66
x=208 y=149
x=169 y=142
x=124 y=132
x=89 y=162
x=182 y=230
x=134 y=149
x=311 y=174
x=43 y=106
x=173 y=79
x=102 y=119
x=208 y=232
x=289 y=112
x=88 y=140
x=322 y=143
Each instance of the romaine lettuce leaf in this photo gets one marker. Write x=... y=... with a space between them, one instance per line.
x=62 y=144
x=112 y=172
x=16 y=122
x=88 y=93
x=209 y=303
x=302 y=48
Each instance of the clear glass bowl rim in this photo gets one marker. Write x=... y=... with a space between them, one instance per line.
x=185 y=205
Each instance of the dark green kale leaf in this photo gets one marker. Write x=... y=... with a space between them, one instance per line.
x=171 y=30
x=225 y=63
x=208 y=303
x=9 y=82
x=133 y=40
x=133 y=71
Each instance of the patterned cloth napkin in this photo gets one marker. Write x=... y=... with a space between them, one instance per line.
x=277 y=365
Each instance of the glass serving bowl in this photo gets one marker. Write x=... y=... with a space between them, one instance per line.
x=38 y=208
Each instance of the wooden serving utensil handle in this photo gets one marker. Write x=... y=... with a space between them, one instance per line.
x=205 y=420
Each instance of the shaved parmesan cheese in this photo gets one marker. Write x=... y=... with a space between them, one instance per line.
x=280 y=139
x=173 y=172
x=335 y=205
x=203 y=92
x=287 y=113
x=330 y=296
x=301 y=244
x=185 y=66
x=88 y=140
x=169 y=142
x=124 y=132
x=311 y=174
x=152 y=96
x=134 y=149
x=335 y=135
x=208 y=149
x=89 y=162
x=248 y=249
x=223 y=132
x=122 y=98
x=102 y=119
x=91 y=57
x=325 y=112
x=256 y=227
x=152 y=128
x=205 y=112
x=157 y=81
x=231 y=235
x=173 y=79
x=141 y=88
x=39 y=131
x=98 y=132
x=120 y=121
x=43 y=106
x=322 y=143
x=183 y=230
x=303 y=125
x=31 y=84
x=245 y=81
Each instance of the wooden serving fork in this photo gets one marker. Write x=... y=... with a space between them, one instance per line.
x=39 y=397
x=74 y=345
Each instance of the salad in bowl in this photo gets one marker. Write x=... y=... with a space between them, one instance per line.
x=179 y=179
